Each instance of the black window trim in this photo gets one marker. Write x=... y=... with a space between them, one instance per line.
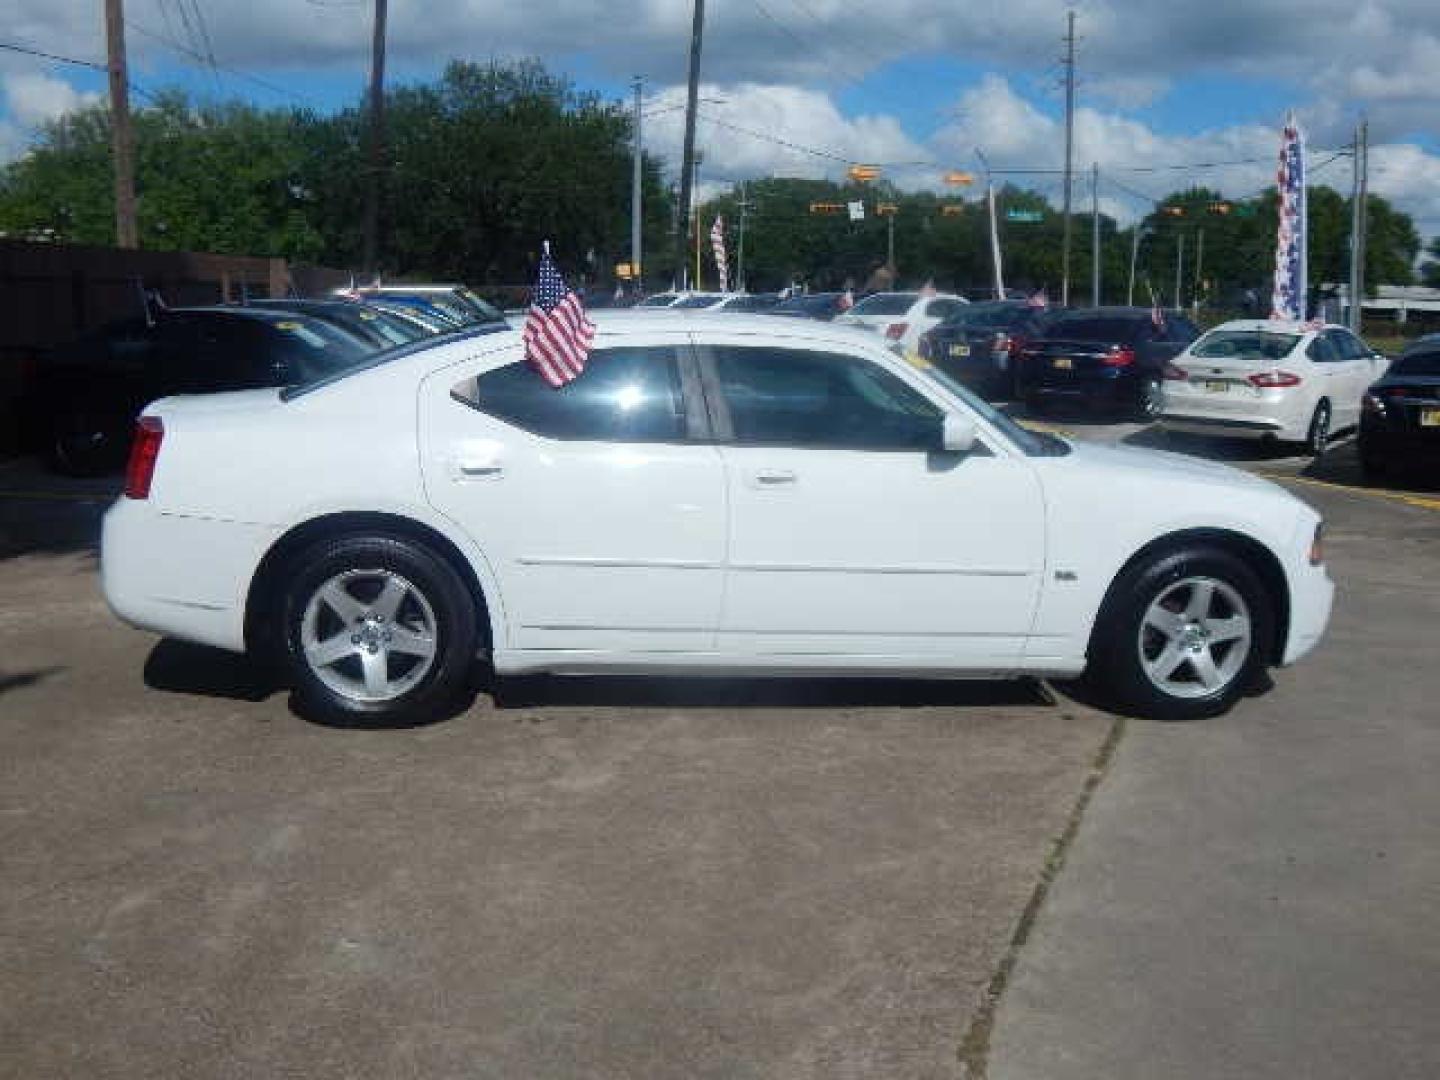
x=692 y=398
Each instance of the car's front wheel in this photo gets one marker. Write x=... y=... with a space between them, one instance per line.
x=1182 y=635
x=1149 y=399
x=378 y=630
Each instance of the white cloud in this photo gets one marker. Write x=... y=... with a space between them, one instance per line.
x=33 y=99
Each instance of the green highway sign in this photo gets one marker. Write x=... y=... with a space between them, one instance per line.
x=1024 y=215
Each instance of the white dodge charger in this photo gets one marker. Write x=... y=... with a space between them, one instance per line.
x=715 y=494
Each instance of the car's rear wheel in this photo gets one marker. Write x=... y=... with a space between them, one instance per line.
x=1149 y=399
x=85 y=441
x=1318 y=435
x=378 y=630
x=1183 y=635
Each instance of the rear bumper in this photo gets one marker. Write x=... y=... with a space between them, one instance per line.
x=1401 y=444
x=183 y=577
x=1098 y=389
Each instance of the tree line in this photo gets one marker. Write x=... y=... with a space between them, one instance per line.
x=486 y=161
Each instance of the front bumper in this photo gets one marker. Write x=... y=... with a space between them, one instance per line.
x=1312 y=598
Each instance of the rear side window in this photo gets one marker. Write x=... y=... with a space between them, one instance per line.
x=1322 y=350
x=790 y=397
x=1103 y=330
x=939 y=309
x=1262 y=345
x=625 y=395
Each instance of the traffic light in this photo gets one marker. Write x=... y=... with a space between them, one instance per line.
x=952 y=210
x=1173 y=211
x=863 y=174
x=1220 y=207
x=956 y=178
x=881 y=209
x=827 y=208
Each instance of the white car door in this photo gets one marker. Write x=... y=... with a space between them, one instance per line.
x=1362 y=367
x=850 y=532
x=599 y=506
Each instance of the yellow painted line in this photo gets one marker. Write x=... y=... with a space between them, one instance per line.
x=1380 y=493
x=1035 y=425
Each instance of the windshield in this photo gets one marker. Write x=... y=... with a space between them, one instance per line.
x=1420 y=364
x=487 y=311
x=314 y=348
x=1244 y=345
x=889 y=303
x=316 y=379
x=1031 y=443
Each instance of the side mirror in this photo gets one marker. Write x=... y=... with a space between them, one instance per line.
x=958 y=433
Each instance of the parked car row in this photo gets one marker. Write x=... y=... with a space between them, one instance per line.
x=90 y=391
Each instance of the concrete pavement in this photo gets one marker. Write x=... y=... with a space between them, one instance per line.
x=1256 y=896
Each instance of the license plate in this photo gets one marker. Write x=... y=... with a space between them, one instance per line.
x=1215 y=386
x=1430 y=417
x=959 y=350
x=1062 y=363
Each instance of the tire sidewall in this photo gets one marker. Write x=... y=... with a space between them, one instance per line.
x=456 y=628
x=1314 y=444
x=1114 y=658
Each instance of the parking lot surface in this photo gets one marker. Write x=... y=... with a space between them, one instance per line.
x=737 y=879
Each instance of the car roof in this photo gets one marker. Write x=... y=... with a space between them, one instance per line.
x=1277 y=326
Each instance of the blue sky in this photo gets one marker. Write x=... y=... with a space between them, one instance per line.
x=1162 y=83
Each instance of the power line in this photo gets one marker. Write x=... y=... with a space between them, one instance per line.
x=93 y=65
x=182 y=50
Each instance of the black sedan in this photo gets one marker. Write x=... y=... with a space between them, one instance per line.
x=1400 y=414
x=90 y=392
x=975 y=344
x=1108 y=357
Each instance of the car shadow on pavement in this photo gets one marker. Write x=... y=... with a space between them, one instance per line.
x=20 y=679
x=179 y=667
x=711 y=691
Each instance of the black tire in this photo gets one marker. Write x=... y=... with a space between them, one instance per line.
x=1122 y=644
x=87 y=442
x=1149 y=399
x=1318 y=435
x=437 y=608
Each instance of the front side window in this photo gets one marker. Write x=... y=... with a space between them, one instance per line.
x=624 y=395
x=790 y=397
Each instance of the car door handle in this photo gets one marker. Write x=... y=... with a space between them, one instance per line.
x=772 y=478
x=480 y=470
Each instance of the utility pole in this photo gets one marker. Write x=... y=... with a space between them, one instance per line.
x=1135 y=237
x=1095 y=234
x=1179 y=269
x=699 y=224
x=1199 y=263
x=687 y=163
x=890 y=242
x=743 y=206
x=636 y=281
x=997 y=277
x=377 y=140
x=1359 y=225
x=1069 y=152
x=122 y=135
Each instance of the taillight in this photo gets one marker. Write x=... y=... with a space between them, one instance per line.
x=1268 y=379
x=144 y=453
x=1016 y=344
x=1001 y=342
x=1119 y=356
x=1372 y=404
x=1317 y=545
x=896 y=330
x=1174 y=373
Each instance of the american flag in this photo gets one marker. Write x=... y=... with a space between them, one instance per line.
x=1288 y=301
x=557 y=334
x=717 y=244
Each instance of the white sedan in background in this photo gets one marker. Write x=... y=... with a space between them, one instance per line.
x=714 y=494
x=1267 y=378
x=901 y=317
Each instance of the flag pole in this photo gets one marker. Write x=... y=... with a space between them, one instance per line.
x=699 y=243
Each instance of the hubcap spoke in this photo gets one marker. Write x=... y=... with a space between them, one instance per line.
x=1171 y=657
x=332 y=650
x=1236 y=626
x=390 y=598
x=377 y=674
x=407 y=641
x=1203 y=662
x=341 y=602
x=1202 y=595
x=1167 y=622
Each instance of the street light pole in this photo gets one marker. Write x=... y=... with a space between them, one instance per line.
x=1179 y=268
x=636 y=176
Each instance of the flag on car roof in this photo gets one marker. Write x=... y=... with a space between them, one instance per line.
x=1038 y=299
x=557 y=334
x=847 y=300
x=717 y=245
x=1288 y=298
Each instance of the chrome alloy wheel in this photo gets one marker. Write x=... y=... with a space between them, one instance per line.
x=1195 y=637
x=369 y=635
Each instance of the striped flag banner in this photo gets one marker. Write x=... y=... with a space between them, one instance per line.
x=717 y=244
x=557 y=334
x=1288 y=300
